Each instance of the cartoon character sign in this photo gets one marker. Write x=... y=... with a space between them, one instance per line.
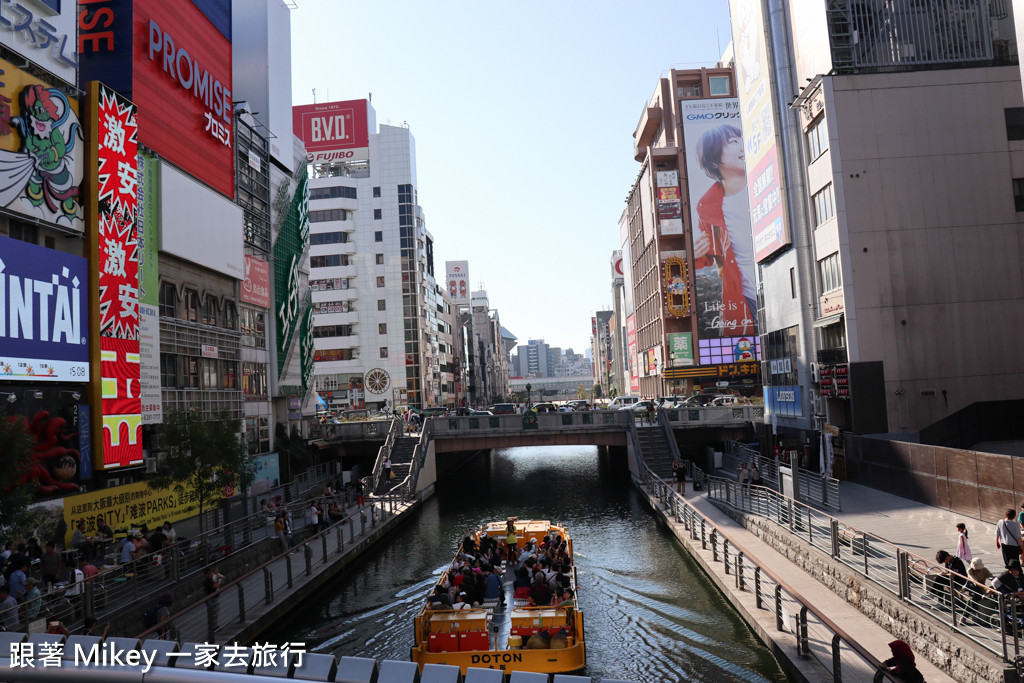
x=744 y=350
x=54 y=464
x=42 y=178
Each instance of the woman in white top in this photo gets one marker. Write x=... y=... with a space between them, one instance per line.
x=963 y=550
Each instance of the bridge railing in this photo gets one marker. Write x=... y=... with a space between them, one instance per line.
x=813 y=633
x=812 y=487
x=581 y=421
x=980 y=613
x=711 y=415
x=394 y=431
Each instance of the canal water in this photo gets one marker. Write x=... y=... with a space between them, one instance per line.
x=651 y=614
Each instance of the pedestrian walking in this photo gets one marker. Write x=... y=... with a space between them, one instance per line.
x=212 y=580
x=650 y=412
x=360 y=501
x=963 y=550
x=743 y=475
x=1008 y=537
x=387 y=468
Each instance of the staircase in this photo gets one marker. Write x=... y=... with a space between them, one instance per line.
x=401 y=463
x=655 y=450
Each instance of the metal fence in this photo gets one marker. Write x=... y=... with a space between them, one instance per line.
x=229 y=606
x=978 y=612
x=813 y=634
x=811 y=487
x=119 y=586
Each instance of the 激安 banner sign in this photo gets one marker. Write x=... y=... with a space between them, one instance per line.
x=44 y=333
x=114 y=180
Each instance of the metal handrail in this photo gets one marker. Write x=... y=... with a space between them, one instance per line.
x=812 y=486
x=968 y=608
x=394 y=429
x=739 y=561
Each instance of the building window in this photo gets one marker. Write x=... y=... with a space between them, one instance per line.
x=229 y=315
x=210 y=375
x=376 y=191
x=817 y=139
x=1018 y=194
x=1014 y=123
x=824 y=206
x=189 y=372
x=382 y=328
x=332 y=331
x=328 y=215
x=190 y=311
x=378 y=236
x=253 y=331
x=254 y=379
x=328 y=238
x=383 y=352
x=830 y=272
x=328 y=260
x=382 y=305
x=168 y=371
x=20 y=230
x=380 y=259
x=328 y=284
x=168 y=300
x=380 y=280
x=328 y=355
x=719 y=85
x=228 y=371
x=333 y=193
x=378 y=214
x=209 y=311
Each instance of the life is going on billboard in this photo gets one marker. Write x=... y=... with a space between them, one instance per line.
x=173 y=60
x=333 y=131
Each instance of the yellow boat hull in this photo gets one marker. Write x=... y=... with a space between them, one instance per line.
x=560 y=661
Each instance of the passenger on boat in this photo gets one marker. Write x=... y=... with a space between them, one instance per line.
x=568 y=598
x=540 y=593
x=460 y=602
x=476 y=590
x=493 y=587
x=511 y=541
x=468 y=545
x=440 y=599
x=527 y=553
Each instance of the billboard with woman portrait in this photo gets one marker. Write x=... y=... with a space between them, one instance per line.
x=723 y=250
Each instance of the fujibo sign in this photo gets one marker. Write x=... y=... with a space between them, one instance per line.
x=42 y=306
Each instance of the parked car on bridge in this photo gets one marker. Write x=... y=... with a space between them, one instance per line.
x=502 y=409
x=545 y=407
x=699 y=400
x=579 y=404
x=726 y=400
x=480 y=412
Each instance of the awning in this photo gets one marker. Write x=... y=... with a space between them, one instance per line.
x=828 y=320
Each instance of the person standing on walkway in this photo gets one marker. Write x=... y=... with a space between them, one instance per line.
x=679 y=470
x=1020 y=516
x=360 y=501
x=1008 y=537
x=211 y=584
x=963 y=550
x=650 y=412
x=387 y=467
x=743 y=475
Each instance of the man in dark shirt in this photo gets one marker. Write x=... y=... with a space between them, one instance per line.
x=1008 y=583
x=955 y=573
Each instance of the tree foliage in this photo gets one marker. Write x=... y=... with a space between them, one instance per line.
x=204 y=455
x=597 y=391
x=16 y=479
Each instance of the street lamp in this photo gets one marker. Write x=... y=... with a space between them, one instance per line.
x=528 y=387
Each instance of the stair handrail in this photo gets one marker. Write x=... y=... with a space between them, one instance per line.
x=419 y=454
x=385 y=451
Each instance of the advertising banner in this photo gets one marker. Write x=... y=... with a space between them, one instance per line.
x=723 y=252
x=268 y=473
x=44 y=333
x=290 y=317
x=147 y=218
x=670 y=208
x=634 y=363
x=42 y=31
x=617 y=272
x=256 y=285
x=117 y=277
x=457 y=277
x=333 y=131
x=129 y=506
x=174 y=62
x=769 y=228
x=42 y=151
x=729 y=350
x=680 y=348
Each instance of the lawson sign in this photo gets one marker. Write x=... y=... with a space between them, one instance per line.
x=43 y=323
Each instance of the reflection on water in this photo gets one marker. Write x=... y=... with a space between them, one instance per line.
x=651 y=614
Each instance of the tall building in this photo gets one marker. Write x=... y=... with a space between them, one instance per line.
x=690 y=319
x=886 y=203
x=601 y=345
x=619 y=378
x=375 y=299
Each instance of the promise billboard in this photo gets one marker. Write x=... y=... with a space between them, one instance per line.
x=174 y=62
x=723 y=251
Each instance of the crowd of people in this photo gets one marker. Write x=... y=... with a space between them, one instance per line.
x=543 y=573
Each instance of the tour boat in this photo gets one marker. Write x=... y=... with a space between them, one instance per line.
x=492 y=636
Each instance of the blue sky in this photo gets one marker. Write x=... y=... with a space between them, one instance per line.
x=523 y=115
